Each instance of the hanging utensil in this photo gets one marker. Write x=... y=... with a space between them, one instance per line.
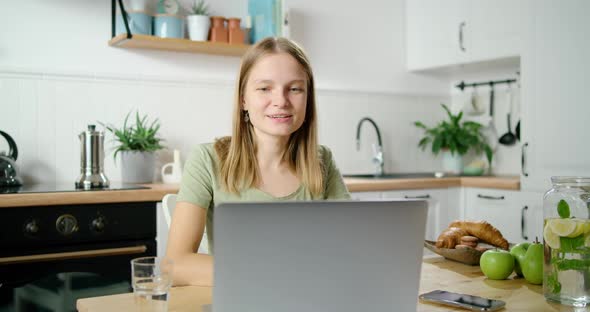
x=508 y=138
x=490 y=131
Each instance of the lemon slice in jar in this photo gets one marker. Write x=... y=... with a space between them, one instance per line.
x=563 y=227
x=580 y=228
x=551 y=238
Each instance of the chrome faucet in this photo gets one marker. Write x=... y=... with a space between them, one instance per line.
x=377 y=150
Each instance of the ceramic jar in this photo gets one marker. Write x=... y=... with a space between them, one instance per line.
x=236 y=35
x=219 y=31
x=140 y=22
x=168 y=26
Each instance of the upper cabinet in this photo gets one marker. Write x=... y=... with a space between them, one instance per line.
x=453 y=32
x=555 y=110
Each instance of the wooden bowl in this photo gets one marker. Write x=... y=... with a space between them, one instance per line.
x=464 y=255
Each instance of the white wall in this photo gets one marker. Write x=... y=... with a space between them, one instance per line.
x=57 y=74
x=44 y=113
x=349 y=51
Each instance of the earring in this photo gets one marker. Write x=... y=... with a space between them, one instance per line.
x=246 y=116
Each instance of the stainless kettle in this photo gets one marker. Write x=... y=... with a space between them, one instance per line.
x=92 y=160
x=8 y=170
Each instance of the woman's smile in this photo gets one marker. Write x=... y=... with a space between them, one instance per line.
x=280 y=118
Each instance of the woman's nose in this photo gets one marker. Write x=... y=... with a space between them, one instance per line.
x=281 y=98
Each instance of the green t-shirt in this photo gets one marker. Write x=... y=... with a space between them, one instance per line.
x=200 y=187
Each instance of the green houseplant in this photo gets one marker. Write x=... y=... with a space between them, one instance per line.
x=455 y=136
x=200 y=8
x=198 y=22
x=137 y=145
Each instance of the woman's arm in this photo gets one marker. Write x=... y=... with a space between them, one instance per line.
x=184 y=238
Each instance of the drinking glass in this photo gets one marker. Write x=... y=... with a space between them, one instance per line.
x=151 y=278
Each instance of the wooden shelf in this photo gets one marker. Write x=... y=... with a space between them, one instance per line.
x=178 y=45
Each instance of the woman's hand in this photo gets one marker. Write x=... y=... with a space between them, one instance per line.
x=184 y=238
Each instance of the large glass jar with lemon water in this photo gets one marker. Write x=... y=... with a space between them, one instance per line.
x=566 y=234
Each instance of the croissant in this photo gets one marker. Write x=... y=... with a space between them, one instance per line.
x=482 y=230
x=450 y=237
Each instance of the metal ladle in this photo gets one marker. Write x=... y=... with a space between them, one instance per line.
x=508 y=138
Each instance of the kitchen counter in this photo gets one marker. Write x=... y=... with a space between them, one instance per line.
x=373 y=185
x=157 y=191
x=153 y=194
x=437 y=273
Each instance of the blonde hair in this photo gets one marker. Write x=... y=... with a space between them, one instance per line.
x=238 y=165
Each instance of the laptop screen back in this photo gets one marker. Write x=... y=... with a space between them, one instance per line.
x=318 y=256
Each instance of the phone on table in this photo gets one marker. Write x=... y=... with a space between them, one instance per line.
x=471 y=302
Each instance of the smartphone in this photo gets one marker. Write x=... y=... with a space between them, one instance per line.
x=473 y=303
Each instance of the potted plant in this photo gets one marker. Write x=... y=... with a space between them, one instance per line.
x=137 y=145
x=454 y=138
x=198 y=21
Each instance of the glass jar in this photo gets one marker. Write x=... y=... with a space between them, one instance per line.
x=566 y=237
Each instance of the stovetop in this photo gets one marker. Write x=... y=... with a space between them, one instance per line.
x=65 y=187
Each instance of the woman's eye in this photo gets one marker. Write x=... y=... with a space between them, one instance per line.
x=294 y=89
x=264 y=89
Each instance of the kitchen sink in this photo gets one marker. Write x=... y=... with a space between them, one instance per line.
x=401 y=175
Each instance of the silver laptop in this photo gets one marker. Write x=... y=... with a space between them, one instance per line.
x=318 y=256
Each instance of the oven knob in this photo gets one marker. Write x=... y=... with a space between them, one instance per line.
x=98 y=224
x=66 y=225
x=31 y=227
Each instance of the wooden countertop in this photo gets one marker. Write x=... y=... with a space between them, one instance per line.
x=157 y=191
x=437 y=273
x=154 y=193
x=372 y=185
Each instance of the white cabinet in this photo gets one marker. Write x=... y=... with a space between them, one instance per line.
x=365 y=195
x=517 y=214
x=437 y=213
x=555 y=110
x=532 y=203
x=433 y=33
x=496 y=29
x=451 y=32
x=507 y=210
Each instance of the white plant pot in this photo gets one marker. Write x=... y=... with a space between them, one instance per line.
x=198 y=27
x=452 y=163
x=137 y=167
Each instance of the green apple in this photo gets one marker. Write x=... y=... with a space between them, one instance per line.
x=532 y=266
x=518 y=251
x=496 y=264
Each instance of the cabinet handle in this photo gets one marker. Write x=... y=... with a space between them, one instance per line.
x=461 y=46
x=523 y=160
x=522 y=223
x=417 y=197
x=490 y=197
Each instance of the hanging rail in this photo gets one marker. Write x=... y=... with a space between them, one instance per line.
x=123 y=14
x=491 y=83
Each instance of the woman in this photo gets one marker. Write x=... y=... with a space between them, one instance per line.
x=272 y=154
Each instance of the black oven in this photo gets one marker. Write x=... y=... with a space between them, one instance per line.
x=52 y=255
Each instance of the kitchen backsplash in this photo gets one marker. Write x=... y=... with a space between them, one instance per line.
x=45 y=112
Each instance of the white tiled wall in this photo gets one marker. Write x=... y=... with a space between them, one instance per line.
x=45 y=112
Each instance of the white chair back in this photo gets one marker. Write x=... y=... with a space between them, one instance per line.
x=168 y=205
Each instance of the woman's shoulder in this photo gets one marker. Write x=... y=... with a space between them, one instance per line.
x=325 y=153
x=203 y=152
x=202 y=149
